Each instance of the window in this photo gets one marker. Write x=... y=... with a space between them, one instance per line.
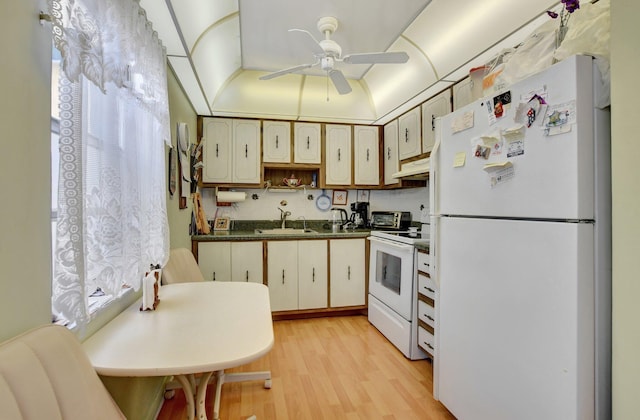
x=108 y=207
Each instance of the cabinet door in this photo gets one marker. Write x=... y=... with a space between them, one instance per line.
x=435 y=107
x=312 y=274
x=462 y=93
x=366 y=157
x=246 y=151
x=214 y=259
x=409 y=139
x=217 y=156
x=276 y=141
x=391 y=164
x=246 y=261
x=338 y=154
x=307 y=145
x=347 y=273
x=282 y=274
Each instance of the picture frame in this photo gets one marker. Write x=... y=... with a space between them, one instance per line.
x=221 y=224
x=339 y=197
x=363 y=195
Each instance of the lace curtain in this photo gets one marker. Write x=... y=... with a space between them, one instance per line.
x=114 y=122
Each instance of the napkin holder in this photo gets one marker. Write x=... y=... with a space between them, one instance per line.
x=150 y=288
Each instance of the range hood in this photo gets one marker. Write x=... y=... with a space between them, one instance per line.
x=417 y=169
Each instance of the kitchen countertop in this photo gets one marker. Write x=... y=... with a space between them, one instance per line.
x=251 y=235
x=243 y=230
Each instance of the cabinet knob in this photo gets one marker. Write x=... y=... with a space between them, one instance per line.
x=313 y=274
x=406 y=135
x=283 y=276
x=433 y=122
x=388 y=153
x=247 y=276
x=276 y=141
x=308 y=143
x=367 y=155
x=338 y=155
x=349 y=272
x=217 y=149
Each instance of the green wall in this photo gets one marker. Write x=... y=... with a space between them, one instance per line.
x=25 y=173
x=180 y=110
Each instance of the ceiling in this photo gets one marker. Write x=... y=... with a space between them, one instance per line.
x=219 y=49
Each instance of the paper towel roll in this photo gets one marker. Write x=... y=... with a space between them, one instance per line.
x=230 y=196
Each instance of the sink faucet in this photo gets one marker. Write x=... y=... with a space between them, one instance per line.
x=283 y=216
x=304 y=222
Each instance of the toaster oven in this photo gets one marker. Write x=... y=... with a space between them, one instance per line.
x=390 y=220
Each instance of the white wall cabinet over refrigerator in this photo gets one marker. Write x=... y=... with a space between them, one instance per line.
x=276 y=141
x=347 y=272
x=435 y=107
x=366 y=160
x=409 y=138
x=231 y=261
x=338 y=154
x=231 y=151
x=307 y=147
x=390 y=153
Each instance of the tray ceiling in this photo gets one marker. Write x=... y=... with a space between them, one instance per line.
x=218 y=49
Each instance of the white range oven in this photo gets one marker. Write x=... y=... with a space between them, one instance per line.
x=393 y=287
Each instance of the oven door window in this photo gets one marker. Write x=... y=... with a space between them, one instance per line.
x=389 y=271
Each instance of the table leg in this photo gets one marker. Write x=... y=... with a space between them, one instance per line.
x=188 y=395
x=201 y=395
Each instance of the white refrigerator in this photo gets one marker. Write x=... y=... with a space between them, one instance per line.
x=521 y=234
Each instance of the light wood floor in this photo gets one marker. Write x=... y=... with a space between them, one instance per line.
x=327 y=368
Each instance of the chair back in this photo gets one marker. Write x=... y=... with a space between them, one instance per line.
x=182 y=267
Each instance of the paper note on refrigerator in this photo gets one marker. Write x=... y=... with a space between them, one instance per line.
x=499 y=172
x=462 y=122
x=459 y=159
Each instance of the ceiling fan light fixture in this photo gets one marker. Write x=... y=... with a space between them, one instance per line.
x=327 y=52
x=326 y=63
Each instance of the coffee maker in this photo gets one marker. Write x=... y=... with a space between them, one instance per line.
x=360 y=214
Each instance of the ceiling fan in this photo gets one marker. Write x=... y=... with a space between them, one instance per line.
x=327 y=52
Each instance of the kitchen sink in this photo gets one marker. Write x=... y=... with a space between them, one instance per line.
x=286 y=231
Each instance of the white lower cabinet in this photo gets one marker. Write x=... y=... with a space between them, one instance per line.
x=312 y=274
x=297 y=274
x=347 y=274
x=214 y=259
x=231 y=261
x=246 y=262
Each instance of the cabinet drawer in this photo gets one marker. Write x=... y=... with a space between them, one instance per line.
x=426 y=286
x=426 y=341
x=424 y=262
x=426 y=313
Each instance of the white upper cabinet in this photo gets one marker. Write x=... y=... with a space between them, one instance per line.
x=276 y=141
x=216 y=157
x=435 y=107
x=231 y=151
x=366 y=157
x=246 y=151
x=390 y=153
x=462 y=93
x=409 y=139
x=307 y=144
x=338 y=154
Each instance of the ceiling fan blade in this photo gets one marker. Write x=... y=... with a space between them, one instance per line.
x=377 y=58
x=286 y=71
x=340 y=82
x=309 y=41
